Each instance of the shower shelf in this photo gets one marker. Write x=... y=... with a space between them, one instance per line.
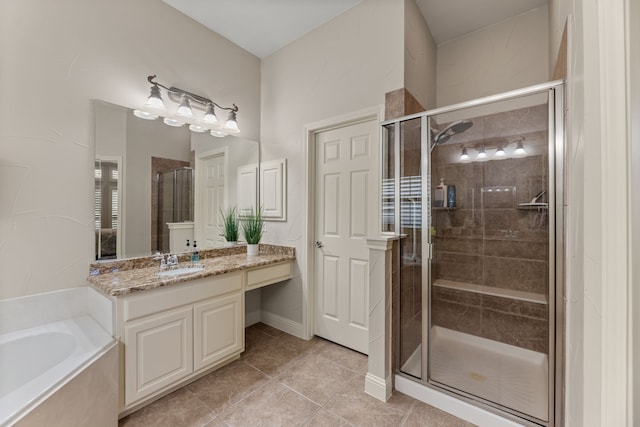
x=532 y=206
x=493 y=291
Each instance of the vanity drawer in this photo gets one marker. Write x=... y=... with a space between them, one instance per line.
x=264 y=276
x=153 y=301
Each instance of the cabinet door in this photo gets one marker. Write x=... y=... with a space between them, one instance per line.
x=218 y=329
x=158 y=352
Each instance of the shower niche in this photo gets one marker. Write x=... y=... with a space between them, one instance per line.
x=479 y=207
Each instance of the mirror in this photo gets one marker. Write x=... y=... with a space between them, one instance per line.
x=157 y=185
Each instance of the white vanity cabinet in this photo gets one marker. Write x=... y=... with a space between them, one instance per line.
x=174 y=333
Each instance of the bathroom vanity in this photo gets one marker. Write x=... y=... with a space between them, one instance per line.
x=174 y=328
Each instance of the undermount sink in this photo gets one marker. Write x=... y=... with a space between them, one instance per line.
x=181 y=271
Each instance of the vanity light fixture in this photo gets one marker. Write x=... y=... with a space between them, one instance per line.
x=520 y=149
x=482 y=155
x=500 y=152
x=155 y=108
x=464 y=156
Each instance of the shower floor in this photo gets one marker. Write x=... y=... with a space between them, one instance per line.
x=501 y=373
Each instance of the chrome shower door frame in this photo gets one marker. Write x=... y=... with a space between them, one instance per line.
x=556 y=288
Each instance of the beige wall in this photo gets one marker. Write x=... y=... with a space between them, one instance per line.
x=55 y=58
x=419 y=57
x=509 y=55
x=345 y=65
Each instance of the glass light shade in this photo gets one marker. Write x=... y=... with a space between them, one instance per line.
x=520 y=149
x=154 y=101
x=464 y=156
x=231 y=126
x=197 y=128
x=210 y=115
x=144 y=115
x=217 y=133
x=173 y=122
x=481 y=154
x=500 y=152
x=184 y=109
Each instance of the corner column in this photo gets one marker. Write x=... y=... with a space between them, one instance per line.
x=379 y=379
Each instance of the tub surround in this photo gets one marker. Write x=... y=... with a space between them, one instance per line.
x=123 y=277
x=53 y=339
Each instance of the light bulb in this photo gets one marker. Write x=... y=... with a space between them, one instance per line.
x=144 y=115
x=520 y=149
x=210 y=115
x=184 y=109
x=231 y=126
x=197 y=128
x=154 y=101
x=481 y=154
x=464 y=156
x=172 y=122
x=500 y=152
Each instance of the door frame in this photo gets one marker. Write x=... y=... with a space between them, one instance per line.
x=309 y=145
x=198 y=195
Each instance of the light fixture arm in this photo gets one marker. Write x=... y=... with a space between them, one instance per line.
x=177 y=93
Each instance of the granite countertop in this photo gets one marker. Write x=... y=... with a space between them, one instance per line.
x=127 y=276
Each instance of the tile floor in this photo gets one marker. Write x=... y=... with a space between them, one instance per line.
x=281 y=380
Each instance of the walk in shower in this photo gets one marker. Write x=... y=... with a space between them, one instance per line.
x=475 y=190
x=175 y=202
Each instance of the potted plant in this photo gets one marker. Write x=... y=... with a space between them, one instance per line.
x=231 y=227
x=252 y=228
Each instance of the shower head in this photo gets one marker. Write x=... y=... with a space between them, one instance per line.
x=452 y=129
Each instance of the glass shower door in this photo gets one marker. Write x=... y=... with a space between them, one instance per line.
x=489 y=311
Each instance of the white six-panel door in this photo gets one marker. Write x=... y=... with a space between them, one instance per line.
x=213 y=201
x=346 y=187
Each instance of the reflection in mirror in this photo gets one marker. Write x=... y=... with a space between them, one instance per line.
x=106 y=207
x=171 y=184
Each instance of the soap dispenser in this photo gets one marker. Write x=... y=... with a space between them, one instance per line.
x=195 y=255
x=440 y=200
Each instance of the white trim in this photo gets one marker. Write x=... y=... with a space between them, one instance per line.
x=615 y=228
x=451 y=405
x=282 y=323
x=308 y=288
x=380 y=388
x=199 y=186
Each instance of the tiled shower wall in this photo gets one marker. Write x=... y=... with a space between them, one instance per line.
x=489 y=241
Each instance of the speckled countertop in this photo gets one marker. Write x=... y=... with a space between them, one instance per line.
x=123 y=277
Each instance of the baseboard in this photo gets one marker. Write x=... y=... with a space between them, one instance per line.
x=452 y=405
x=252 y=318
x=286 y=325
x=378 y=387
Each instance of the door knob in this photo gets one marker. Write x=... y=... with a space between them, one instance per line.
x=318 y=244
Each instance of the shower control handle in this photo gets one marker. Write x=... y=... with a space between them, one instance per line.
x=318 y=244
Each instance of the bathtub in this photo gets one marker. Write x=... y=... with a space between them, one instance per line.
x=37 y=362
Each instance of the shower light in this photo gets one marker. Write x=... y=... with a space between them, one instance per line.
x=464 y=156
x=482 y=155
x=520 y=149
x=154 y=108
x=500 y=152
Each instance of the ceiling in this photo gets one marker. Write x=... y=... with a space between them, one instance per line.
x=264 y=26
